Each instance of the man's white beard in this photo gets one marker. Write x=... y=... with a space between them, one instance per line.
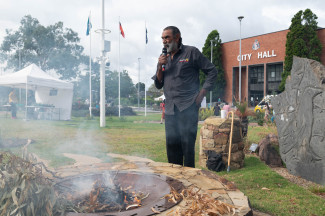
x=171 y=47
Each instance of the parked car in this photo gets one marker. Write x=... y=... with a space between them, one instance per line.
x=266 y=100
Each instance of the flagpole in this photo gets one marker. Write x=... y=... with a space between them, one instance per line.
x=119 y=76
x=90 y=114
x=145 y=86
x=102 y=113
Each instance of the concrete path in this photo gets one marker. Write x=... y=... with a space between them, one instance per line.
x=82 y=159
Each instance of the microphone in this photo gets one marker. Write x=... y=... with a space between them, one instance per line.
x=164 y=52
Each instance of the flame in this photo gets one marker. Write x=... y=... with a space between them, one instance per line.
x=125 y=201
x=137 y=201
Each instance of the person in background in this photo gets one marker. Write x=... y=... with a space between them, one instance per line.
x=273 y=116
x=178 y=74
x=162 y=108
x=266 y=111
x=217 y=109
x=12 y=101
x=226 y=107
x=256 y=101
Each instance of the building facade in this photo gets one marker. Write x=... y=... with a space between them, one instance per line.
x=261 y=65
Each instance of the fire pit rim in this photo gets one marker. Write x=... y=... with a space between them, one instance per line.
x=159 y=206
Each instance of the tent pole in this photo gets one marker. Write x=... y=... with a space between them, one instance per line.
x=26 y=101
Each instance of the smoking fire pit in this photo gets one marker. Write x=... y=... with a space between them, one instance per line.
x=120 y=193
x=209 y=188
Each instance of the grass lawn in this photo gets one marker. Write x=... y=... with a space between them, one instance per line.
x=270 y=192
x=141 y=136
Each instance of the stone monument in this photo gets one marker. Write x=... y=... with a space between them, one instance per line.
x=214 y=136
x=300 y=120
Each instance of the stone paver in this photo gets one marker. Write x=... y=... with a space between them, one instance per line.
x=129 y=158
x=82 y=159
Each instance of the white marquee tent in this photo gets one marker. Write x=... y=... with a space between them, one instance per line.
x=161 y=98
x=48 y=90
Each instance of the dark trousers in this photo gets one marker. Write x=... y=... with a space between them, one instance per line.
x=181 y=131
x=13 y=109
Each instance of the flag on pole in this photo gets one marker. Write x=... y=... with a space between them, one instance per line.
x=121 y=30
x=88 y=26
x=146 y=36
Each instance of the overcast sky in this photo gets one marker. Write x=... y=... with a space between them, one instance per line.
x=195 y=18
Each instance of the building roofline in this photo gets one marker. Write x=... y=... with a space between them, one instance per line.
x=318 y=28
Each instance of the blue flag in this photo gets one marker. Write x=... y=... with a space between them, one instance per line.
x=146 y=36
x=88 y=26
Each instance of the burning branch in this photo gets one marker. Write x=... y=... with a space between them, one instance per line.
x=106 y=198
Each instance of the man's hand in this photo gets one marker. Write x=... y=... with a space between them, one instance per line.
x=200 y=97
x=162 y=60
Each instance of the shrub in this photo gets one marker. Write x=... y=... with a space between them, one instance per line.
x=260 y=118
x=80 y=113
x=113 y=111
x=205 y=113
x=80 y=106
x=242 y=110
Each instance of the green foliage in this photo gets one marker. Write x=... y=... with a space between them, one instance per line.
x=113 y=111
x=81 y=87
x=142 y=86
x=317 y=189
x=218 y=90
x=302 y=41
x=260 y=118
x=127 y=87
x=50 y=47
x=154 y=92
x=243 y=110
x=205 y=113
x=241 y=107
x=24 y=189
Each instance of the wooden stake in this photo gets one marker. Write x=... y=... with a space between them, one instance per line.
x=230 y=142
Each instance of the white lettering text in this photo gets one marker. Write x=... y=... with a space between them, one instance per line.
x=265 y=54
x=273 y=53
x=259 y=55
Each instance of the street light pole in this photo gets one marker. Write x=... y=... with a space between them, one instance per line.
x=139 y=86
x=240 y=18
x=212 y=63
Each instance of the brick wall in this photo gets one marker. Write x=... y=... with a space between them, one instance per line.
x=272 y=50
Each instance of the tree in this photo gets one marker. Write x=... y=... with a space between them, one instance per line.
x=81 y=85
x=127 y=86
x=154 y=92
x=51 y=47
x=218 y=90
x=142 y=86
x=302 y=41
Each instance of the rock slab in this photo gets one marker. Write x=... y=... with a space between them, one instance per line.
x=300 y=120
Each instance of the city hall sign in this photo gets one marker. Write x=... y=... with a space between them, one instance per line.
x=260 y=55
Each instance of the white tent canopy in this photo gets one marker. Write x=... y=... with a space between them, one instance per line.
x=161 y=98
x=48 y=90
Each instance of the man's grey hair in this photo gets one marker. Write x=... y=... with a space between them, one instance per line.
x=175 y=31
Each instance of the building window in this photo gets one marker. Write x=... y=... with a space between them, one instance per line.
x=256 y=74
x=274 y=78
x=274 y=72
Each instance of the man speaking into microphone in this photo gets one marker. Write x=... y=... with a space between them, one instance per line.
x=178 y=73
